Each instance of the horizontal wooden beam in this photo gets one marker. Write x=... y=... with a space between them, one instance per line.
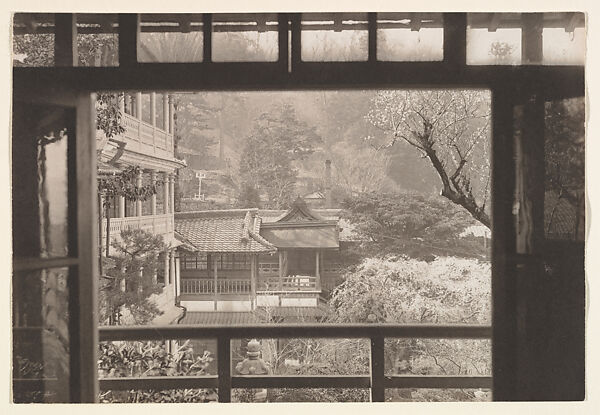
x=159 y=382
x=317 y=381
x=556 y=81
x=117 y=333
x=438 y=382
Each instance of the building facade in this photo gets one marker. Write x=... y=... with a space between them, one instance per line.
x=147 y=143
x=277 y=264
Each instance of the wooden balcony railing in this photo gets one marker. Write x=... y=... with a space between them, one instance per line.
x=207 y=286
x=224 y=381
x=289 y=283
x=156 y=224
x=146 y=138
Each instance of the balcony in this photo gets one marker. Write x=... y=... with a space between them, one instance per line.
x=377 y=380
x=145 y=138
x=156 y=224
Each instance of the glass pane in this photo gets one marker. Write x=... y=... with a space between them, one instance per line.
x=41 y=336
x=40 y=180
x=171 y=38
x=33 y=39
x=564 y=204
x=493 y=39
x=564 y=48
x=410 y=37
x=452 y=357
x=438 y=395
x=334 y=37
x=98 y=39
x=245 y=38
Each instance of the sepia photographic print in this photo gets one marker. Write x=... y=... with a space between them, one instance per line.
x=286 y=206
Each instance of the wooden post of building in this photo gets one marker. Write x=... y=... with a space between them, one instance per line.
x=121 y=206
x=531 y=38
x=166 y=272
x=215 y=279
x=138 y=203
x=172 y=193
x=138 y=105
x=317 y=270
x=166 y=114
x=253 y=277
x=166 y=193
x=153 y=197
x=153 y=108
x=171 y=116
x=280 y=270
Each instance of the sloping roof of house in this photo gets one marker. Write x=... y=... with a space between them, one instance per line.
x=231 y=230
x=219 y=318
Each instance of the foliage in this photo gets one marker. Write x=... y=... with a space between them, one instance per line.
x=108 y=114
x=248 y=197
x=277 y=141
x=501 y=51
x=138 y=359
x=413 y=224
x=124 y=184
x=131 y=274
x=401 y=290
x=451 y=128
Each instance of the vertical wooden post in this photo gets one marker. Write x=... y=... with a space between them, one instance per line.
x=215 y=281
x=172 y=267
x=165 y=193
x=138 y=105
x=129 y=38
x=166 y=115
x=172 y=192
x=532 y=51
x=503 y=242
x=253 y=278
x=153 y=110
x=377 y=369
x=138 y=203
x=280 y=270
x=166 y=272
x=455 y=40
x=296 y=25
x=372 y=17
x=84 y=375
x=224 y=368
x=283 y=41
x=171 y=117
x=207 y=37
x=153 y=197
x=318 y=270
x=65 y=39
x=121 y=206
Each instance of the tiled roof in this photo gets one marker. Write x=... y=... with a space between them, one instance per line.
x=232 y=230
x=219 y=318
x=270 y=216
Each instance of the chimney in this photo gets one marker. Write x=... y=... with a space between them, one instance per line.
x=328 y=196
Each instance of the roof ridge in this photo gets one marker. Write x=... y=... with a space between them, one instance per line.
x=216 y=212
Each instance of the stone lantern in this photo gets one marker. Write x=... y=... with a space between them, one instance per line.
x=254 y=365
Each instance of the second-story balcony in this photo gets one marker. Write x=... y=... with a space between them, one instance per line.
x=143 y=137
x=155 y=224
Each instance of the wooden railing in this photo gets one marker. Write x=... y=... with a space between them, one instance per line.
x=224 y=381
x=207 y=286
x=147 y=138
x=156 y=224
x=289 y=283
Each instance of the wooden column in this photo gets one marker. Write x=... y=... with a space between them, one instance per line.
x=281 y=270
x=317 y=270
x=138 y=105
x=253 y=278
x=153 y=108
x=171 y=267
x=172 y=193
x=166 y=113
x=153 y=198
x=121 y=201
x=65 y=43
x=121 y=99
x=215 y=279
x=171 y=115
x=138 y=203
x=166 y=273
x=531 y=38
x=165 y=193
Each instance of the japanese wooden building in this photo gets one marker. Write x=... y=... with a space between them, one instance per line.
x=242 y=259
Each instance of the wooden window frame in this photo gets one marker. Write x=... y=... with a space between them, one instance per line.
x=509 y=85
